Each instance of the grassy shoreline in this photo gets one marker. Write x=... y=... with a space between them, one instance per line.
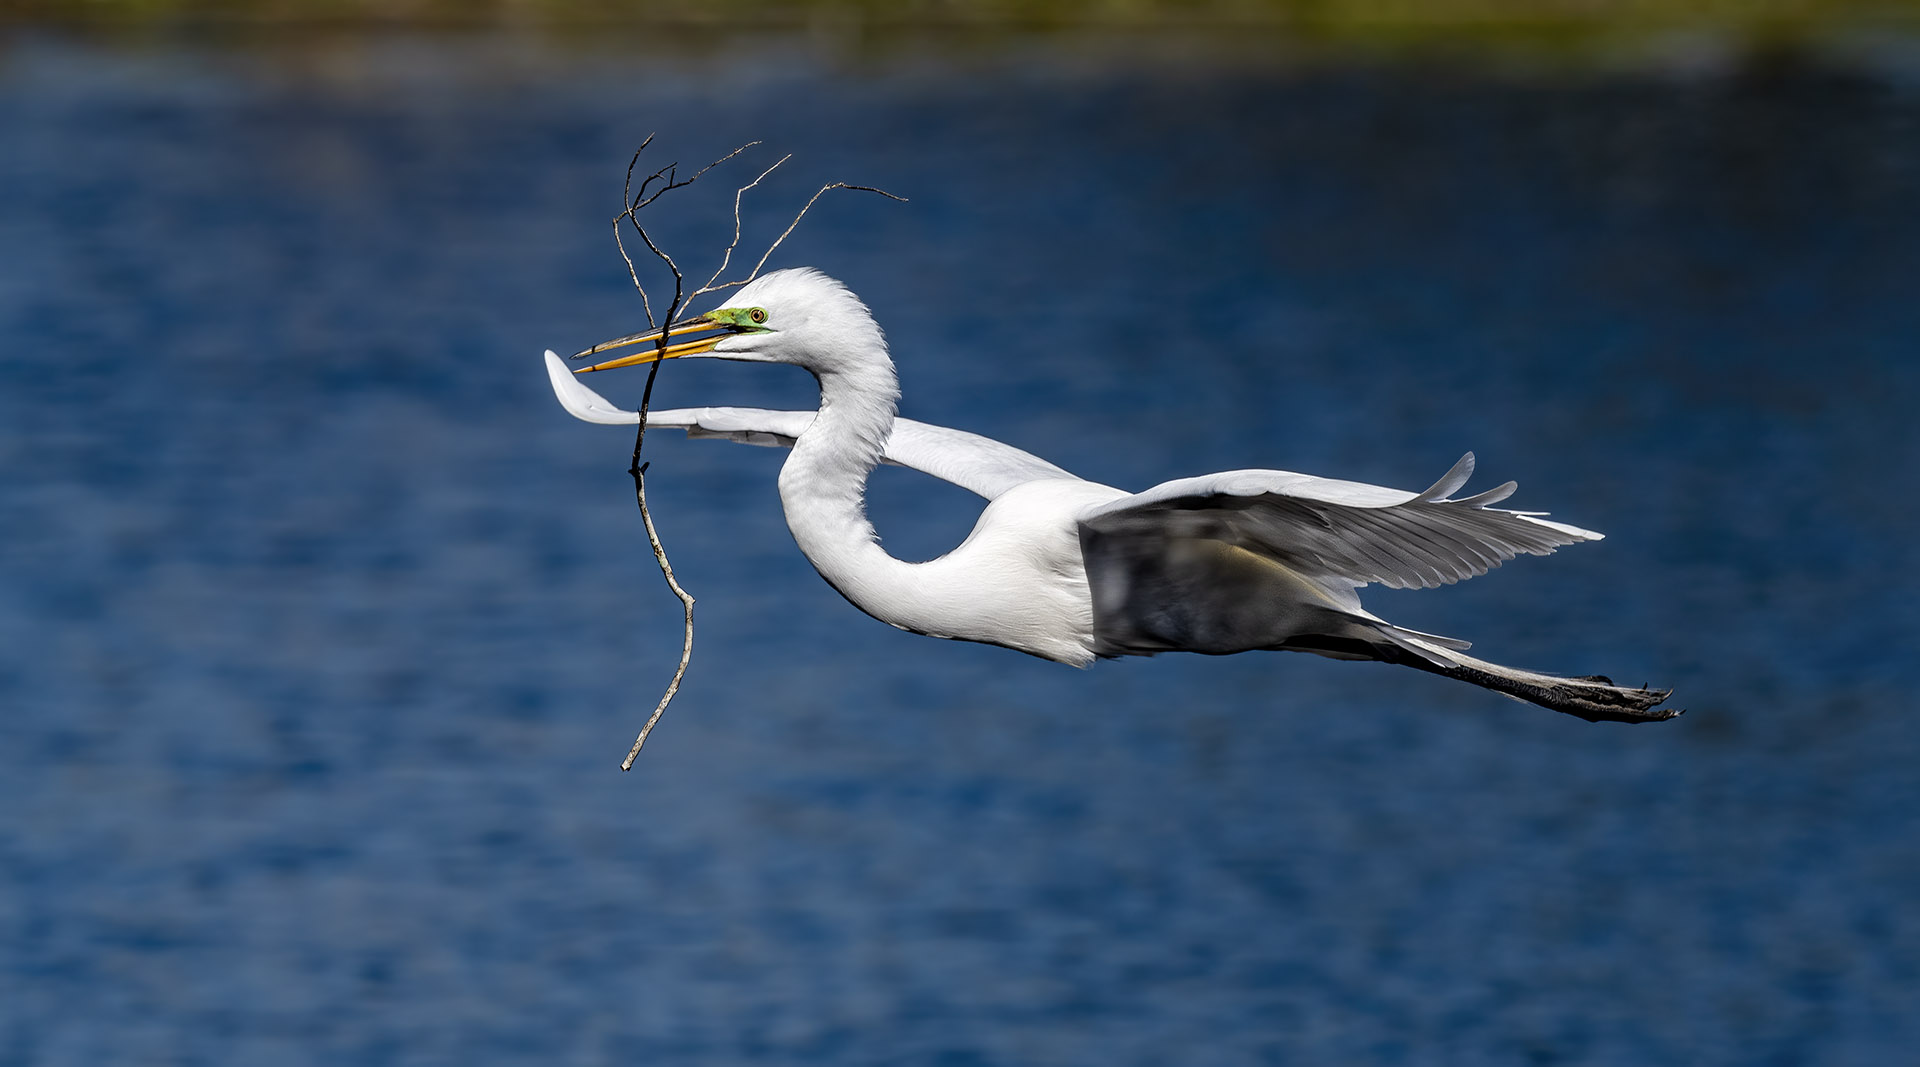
x=1564 y=37
x=1337 y=19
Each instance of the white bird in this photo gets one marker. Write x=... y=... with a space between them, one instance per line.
x=1071 y=570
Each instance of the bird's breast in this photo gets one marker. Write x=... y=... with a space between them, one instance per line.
x=1018 y=580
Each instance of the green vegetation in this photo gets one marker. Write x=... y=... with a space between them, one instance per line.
x=1308 y=18
x=1548 y=34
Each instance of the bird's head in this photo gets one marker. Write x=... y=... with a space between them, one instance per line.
x=797 y=316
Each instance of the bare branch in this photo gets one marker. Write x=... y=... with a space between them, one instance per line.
x=626 y=200
x=626 y=194
x=678 y=280
x=735 y=243
x=670 y=172
x=755 y=273
x=686 y=602
x=632 y=203
x=722 y=159
x=645 y=303
x=638 y=471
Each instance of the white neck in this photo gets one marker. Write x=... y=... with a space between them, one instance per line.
x=1017 y=581
x=823 y=490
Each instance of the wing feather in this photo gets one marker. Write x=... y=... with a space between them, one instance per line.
x=1492 y=496
x=1451 y=481
x=975 y=463
x=1350 y=530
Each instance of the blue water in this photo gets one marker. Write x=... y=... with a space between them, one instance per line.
x=323 y=630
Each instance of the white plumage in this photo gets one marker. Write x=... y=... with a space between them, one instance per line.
x=1071 y=570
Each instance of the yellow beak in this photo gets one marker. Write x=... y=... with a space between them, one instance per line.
x=684 y=348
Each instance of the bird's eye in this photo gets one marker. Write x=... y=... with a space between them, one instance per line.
x=758 y=315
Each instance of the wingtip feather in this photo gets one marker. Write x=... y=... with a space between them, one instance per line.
x=581 y=402
x=1492 y=496
x=1576 y=533
x=1449 y=482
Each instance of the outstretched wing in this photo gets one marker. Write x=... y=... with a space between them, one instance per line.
x=972 y=462
x=1351 y=530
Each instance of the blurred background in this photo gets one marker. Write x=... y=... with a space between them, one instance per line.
x=323 y=629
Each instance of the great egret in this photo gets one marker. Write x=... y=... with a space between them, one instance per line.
x=1071 y=570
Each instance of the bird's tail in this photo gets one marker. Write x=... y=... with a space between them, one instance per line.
x=1594 y=698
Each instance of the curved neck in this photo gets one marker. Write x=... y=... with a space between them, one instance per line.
x=823 y=488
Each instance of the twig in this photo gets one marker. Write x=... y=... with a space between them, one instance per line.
x=686 y=601
x=626 y=199
x=755 y=273
x=735 y=243
x=632 y=202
